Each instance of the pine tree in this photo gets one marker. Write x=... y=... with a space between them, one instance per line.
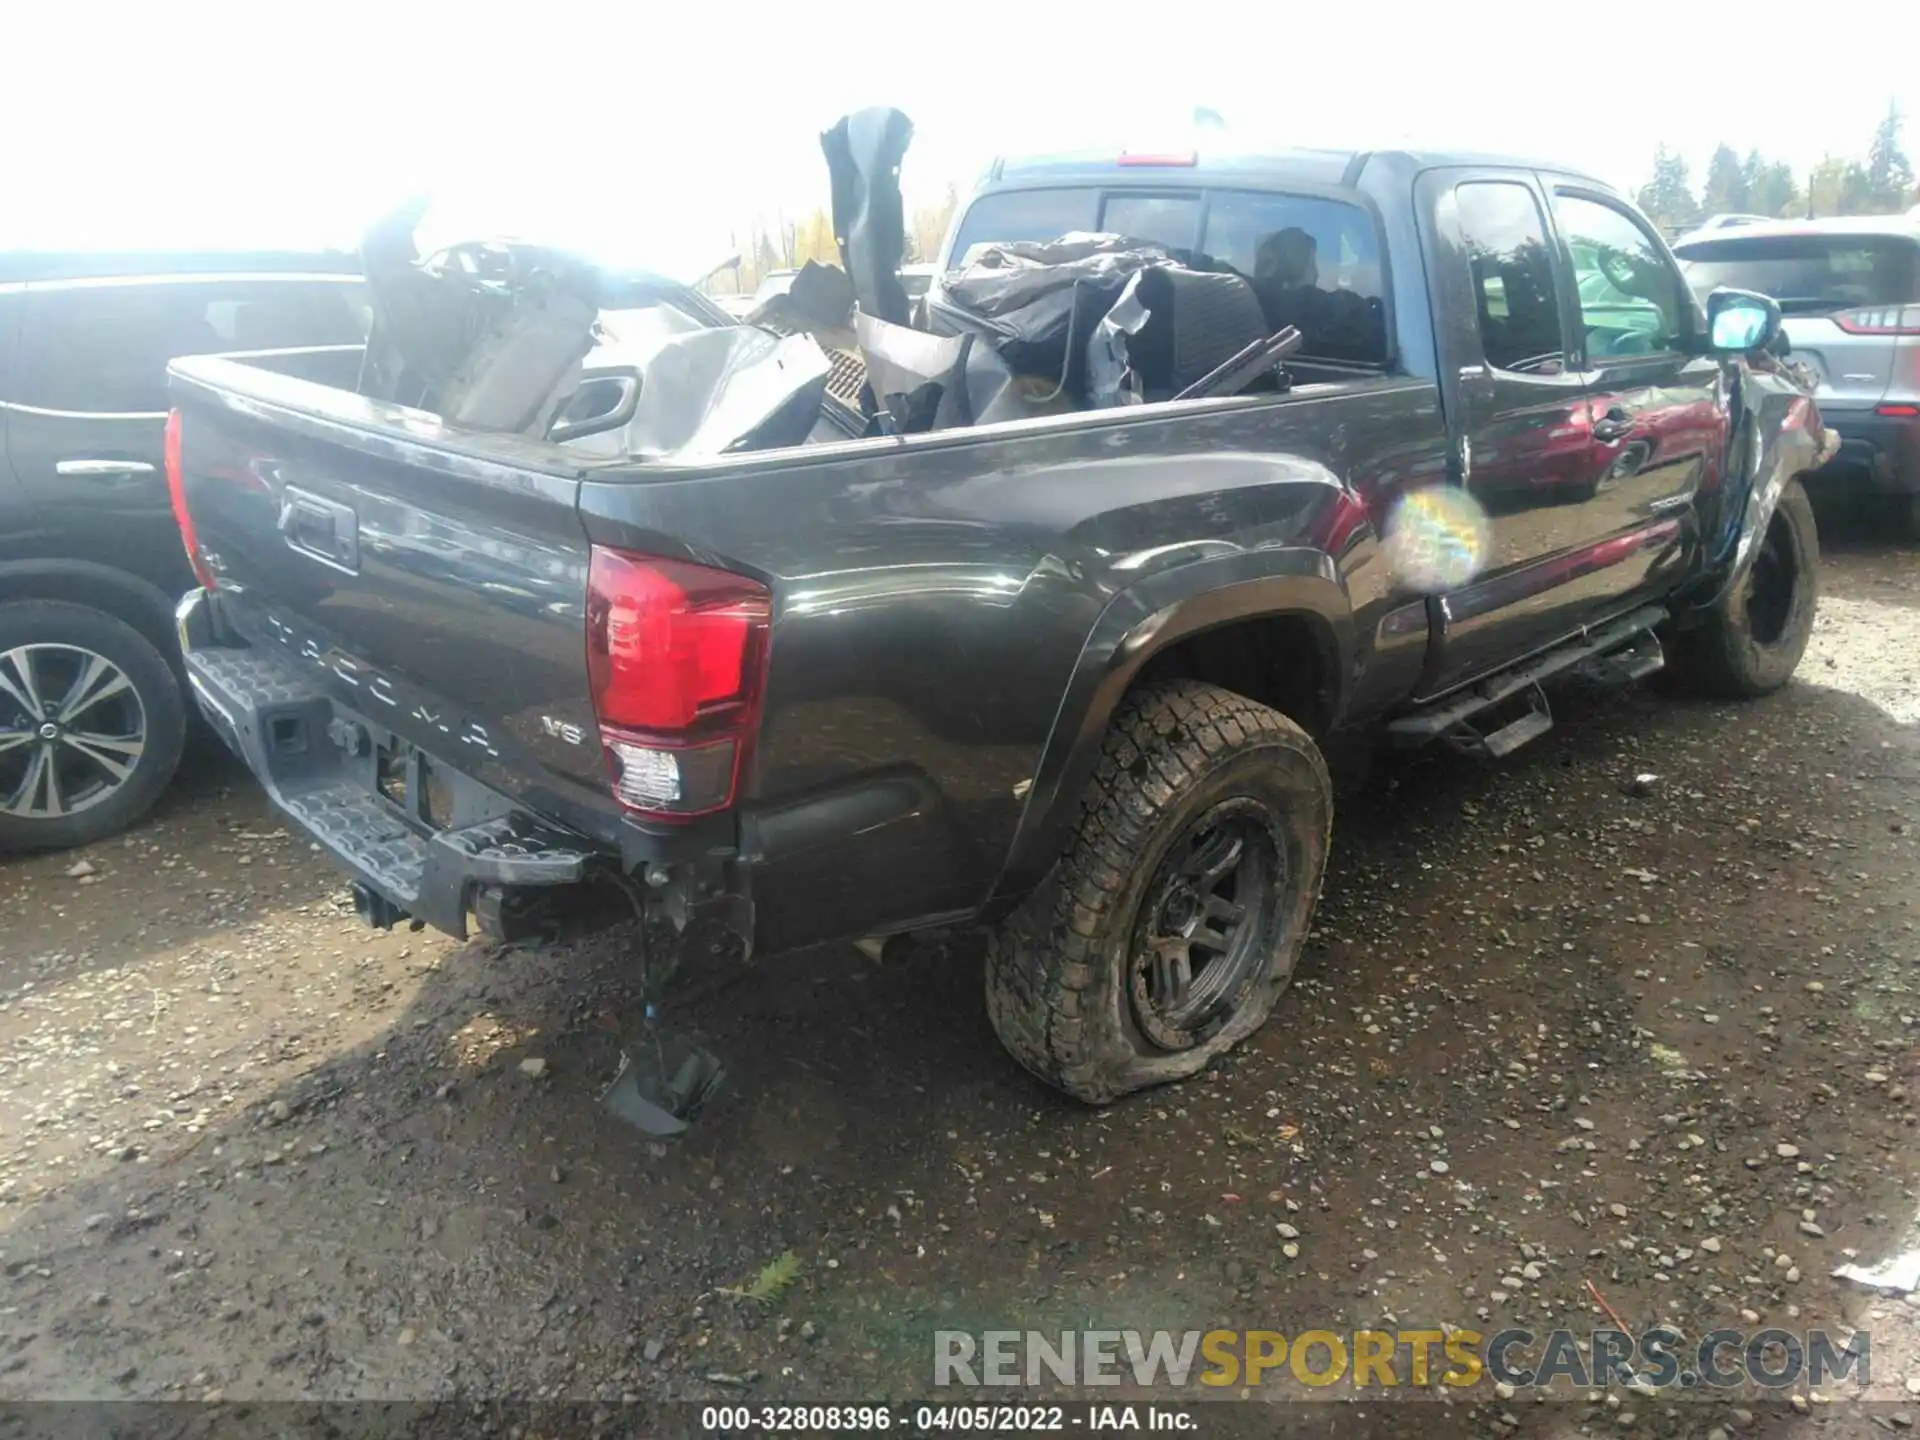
x=1726 y=187
x=1772 y=190
x=1668 y=197
x=1826 y=186
x=765 y=258
x=1888 y=175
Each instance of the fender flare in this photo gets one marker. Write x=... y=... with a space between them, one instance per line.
x=1138 y=623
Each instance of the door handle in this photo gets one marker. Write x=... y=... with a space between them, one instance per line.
x=1616 y=424
x=85 y=469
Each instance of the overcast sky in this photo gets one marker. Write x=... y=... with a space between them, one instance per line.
x=648 y=139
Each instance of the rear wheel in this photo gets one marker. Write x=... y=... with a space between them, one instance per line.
x=1171 y=924
x=1752 y=641
x=91 y=725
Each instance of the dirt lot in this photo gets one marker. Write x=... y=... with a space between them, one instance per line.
x=1553 y=1027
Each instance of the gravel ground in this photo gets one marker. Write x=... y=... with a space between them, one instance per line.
x=1553 y=1027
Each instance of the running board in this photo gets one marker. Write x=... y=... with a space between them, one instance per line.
x=1635 y=662
x=1620 y=650
x=1515 y=733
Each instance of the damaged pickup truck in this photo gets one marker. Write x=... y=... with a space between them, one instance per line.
x=1028 y=604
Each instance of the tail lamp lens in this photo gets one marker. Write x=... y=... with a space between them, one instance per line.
x=1880 y=320
x=676 y=659
x=177 y=493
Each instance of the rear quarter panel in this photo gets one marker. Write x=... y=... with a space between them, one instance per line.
x=939 y=602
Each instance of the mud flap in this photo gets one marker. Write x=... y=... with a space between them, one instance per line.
x=664 y=1080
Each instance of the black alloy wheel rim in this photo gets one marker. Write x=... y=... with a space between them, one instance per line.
x=1207 y=923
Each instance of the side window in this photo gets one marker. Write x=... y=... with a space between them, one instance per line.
x=283 y=314
x=1513 y=276
x=1630 y=297
x=104 y=349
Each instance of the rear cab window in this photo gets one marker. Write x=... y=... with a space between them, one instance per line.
x=1010 y=216
x=1808 y=274
x=1314 y=262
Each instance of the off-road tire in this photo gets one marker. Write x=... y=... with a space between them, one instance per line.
x=1058 y=969
x=57 y=623
x=1722 y=655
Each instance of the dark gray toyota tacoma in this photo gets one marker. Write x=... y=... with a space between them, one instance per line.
x=1055 y=655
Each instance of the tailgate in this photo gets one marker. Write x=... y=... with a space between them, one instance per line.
x=432 y=580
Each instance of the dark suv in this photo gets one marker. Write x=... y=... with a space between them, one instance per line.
x=91 y=691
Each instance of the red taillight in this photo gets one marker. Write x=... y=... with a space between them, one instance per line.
x=177 y=492
x=1181 y=157
x=1880 y=320
x=676 y=660
x=1898 y=412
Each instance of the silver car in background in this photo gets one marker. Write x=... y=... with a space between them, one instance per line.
x=1850 y=291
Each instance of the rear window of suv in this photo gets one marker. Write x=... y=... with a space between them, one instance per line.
x=1314 y=262
x=1808 y=274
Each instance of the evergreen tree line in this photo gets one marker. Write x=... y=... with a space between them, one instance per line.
x=1880 y=183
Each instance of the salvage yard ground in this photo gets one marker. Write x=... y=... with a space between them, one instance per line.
x=1554 y=1026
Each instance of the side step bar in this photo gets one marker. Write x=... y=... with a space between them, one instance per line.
x=1614 y=653
x=1532 y=723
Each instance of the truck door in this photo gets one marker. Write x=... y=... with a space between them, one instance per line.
x=1658 y=397
x=85 y=419
x=1561 y=545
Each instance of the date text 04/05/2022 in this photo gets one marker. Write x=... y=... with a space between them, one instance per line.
x=986 y=1420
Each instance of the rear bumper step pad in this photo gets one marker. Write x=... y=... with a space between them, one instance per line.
x=285 y=728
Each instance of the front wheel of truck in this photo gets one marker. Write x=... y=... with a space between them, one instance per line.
x=1751 y=642
x=1171 y=924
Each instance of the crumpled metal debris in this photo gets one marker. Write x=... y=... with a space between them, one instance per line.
x=1111 y=379
x=661 y=1090
x=489 y=335
x=918 y=381
x=1899 y=1272
x=1036 y=303
x=820 y=300
x=712 y=392
x=1001 y=279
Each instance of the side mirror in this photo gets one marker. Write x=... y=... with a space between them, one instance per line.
x=1740 y=320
